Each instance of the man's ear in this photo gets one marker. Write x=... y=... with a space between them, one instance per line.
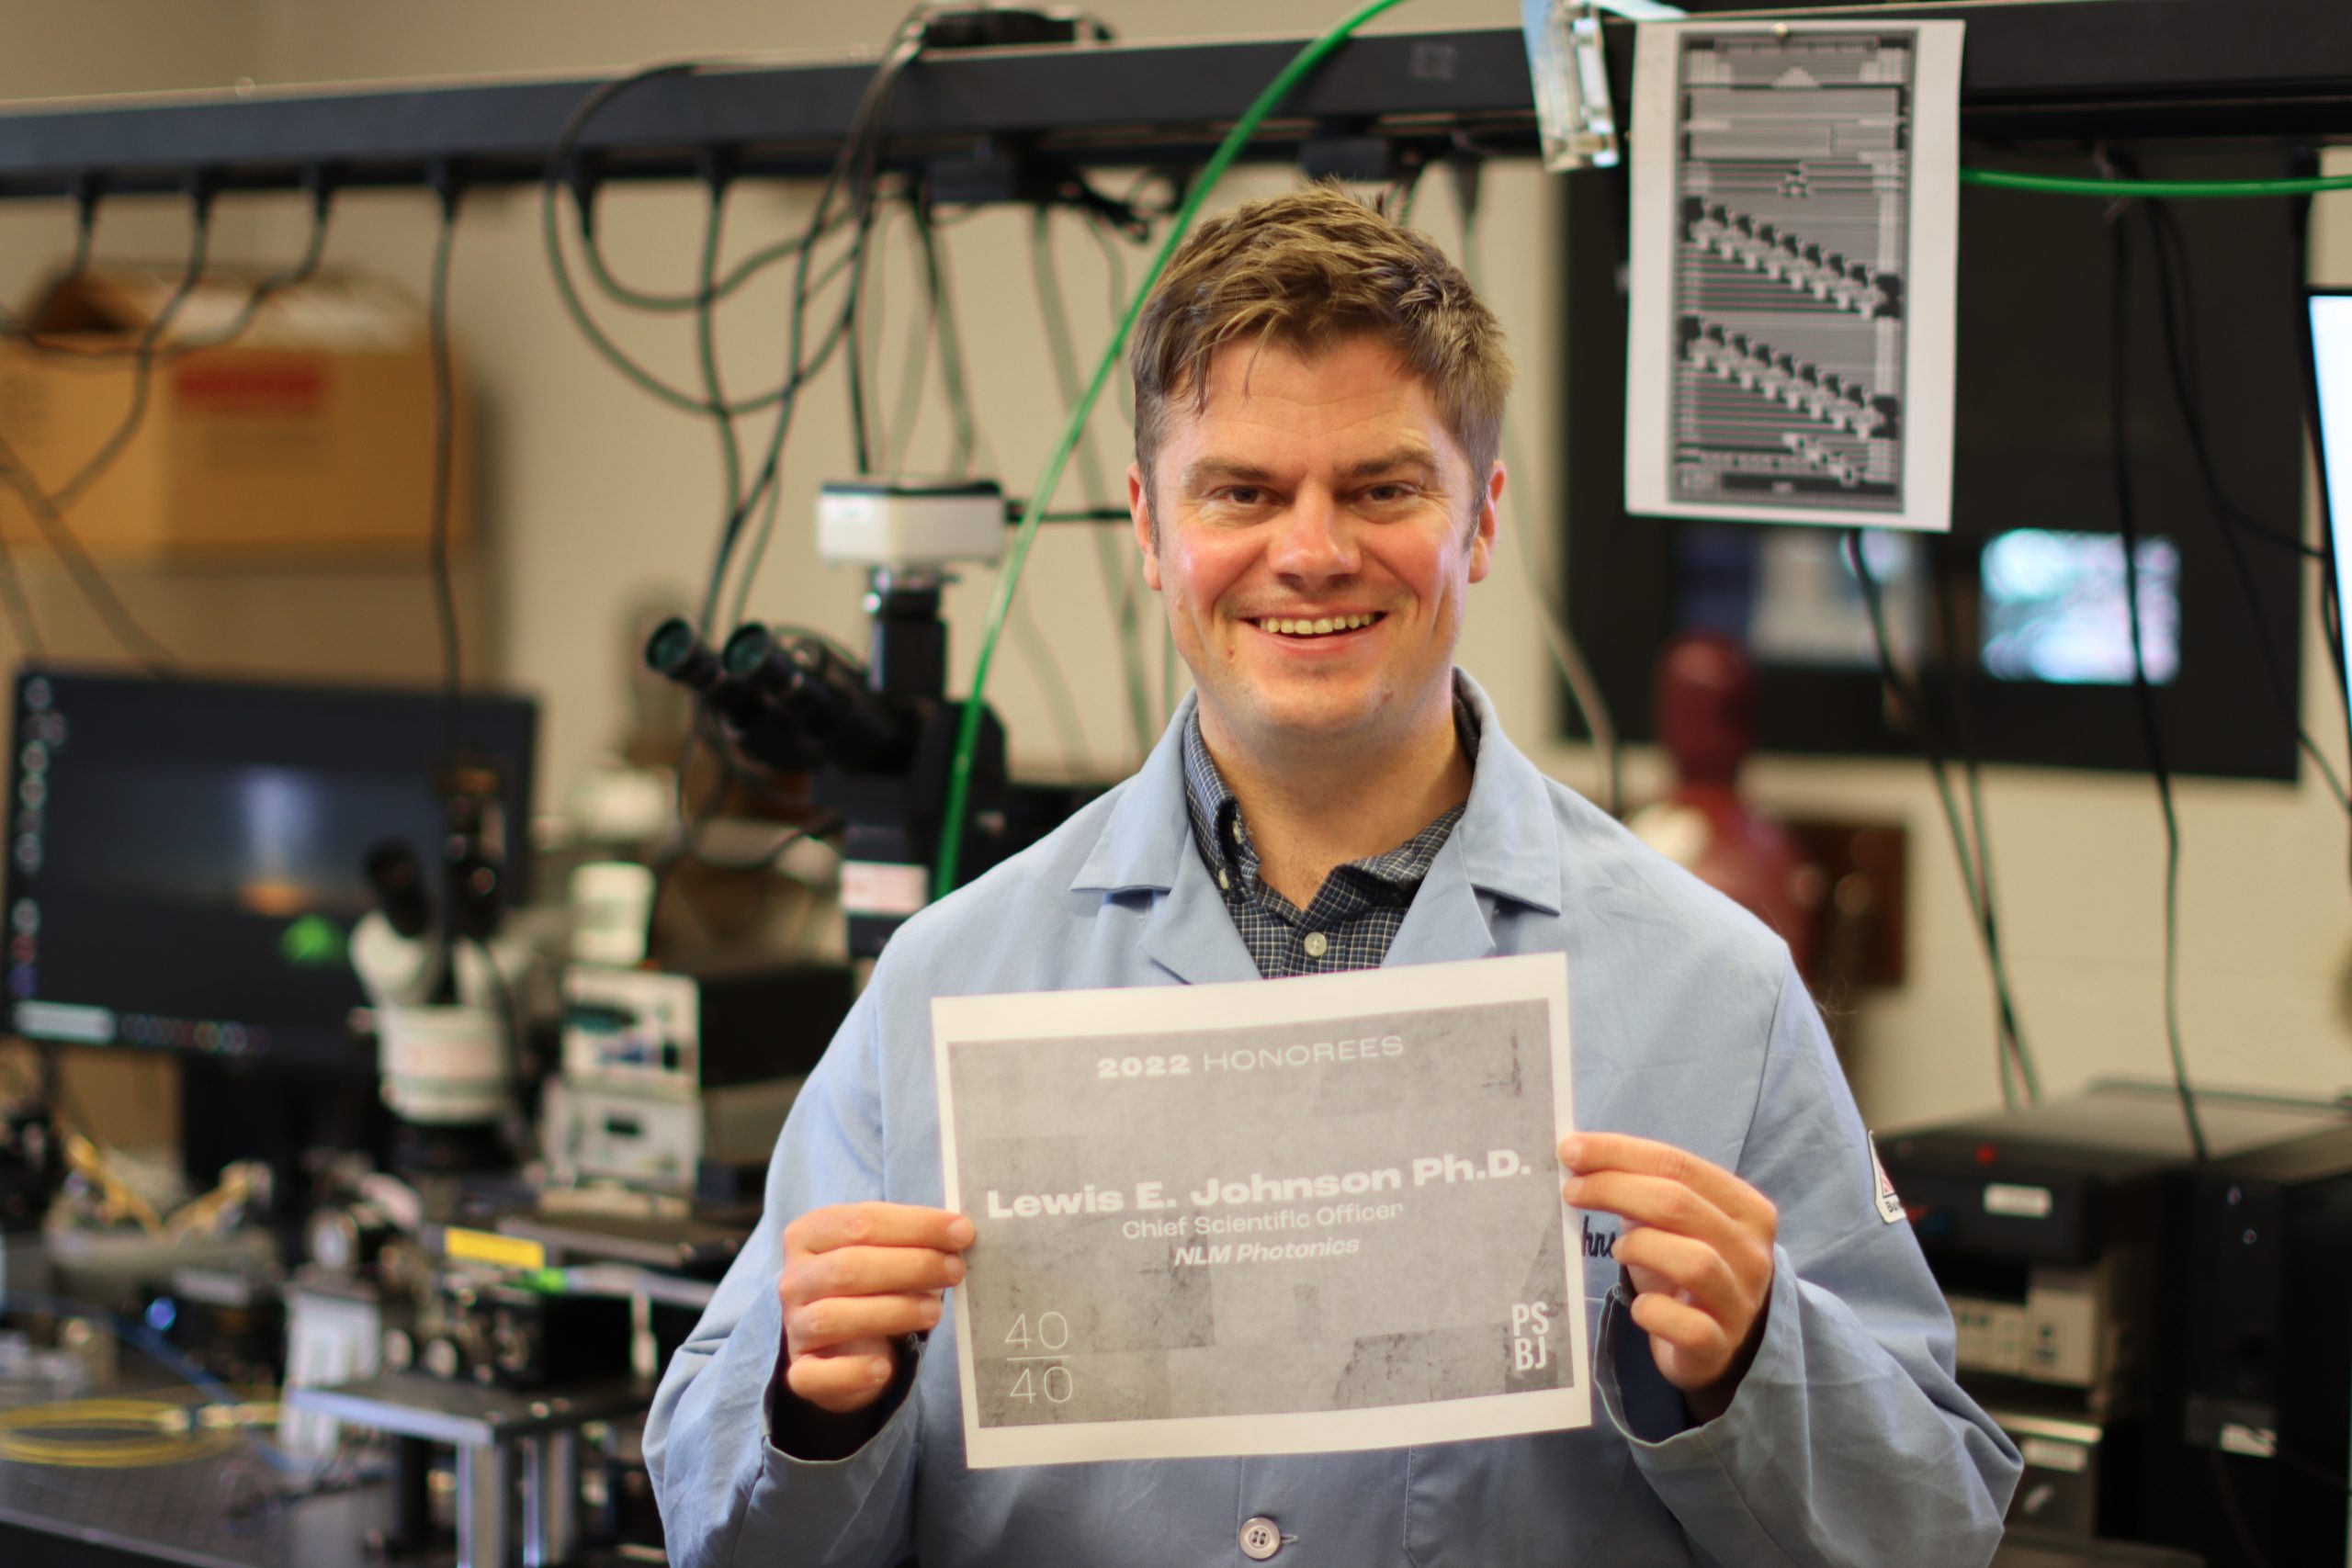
x=1486 y=525
x=1147 y=532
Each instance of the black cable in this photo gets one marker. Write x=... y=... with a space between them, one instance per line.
x=49 y=507
x=2176 y=300
x=2178 y=308
x=147 y=352
x=321 y=188
x=865 y=142
x=1397 y=200
x=898 y=446
x=151 y=656
x=2119 y=324
x=1957 y=662
x=1543 y=588
x=861 y=441
x=1115 y=560
x=561 y=167
x=19 y=607
x=862 y=150
x=560 y=161
x=941 y=299
x=144 y=356
x=1053 y=681
x=2014 y=1058
x=716 y=176
x=1053 y=685
x=767 y=491
x=85 y=224
x=445 y=423
x=592 y=250
x=304 y=268
x=1115 y=263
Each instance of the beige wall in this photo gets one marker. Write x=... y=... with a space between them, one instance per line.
x=598 y=498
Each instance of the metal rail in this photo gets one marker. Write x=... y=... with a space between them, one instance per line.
x=2061 y=70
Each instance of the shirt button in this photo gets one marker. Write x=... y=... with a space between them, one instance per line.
x=1317 y=944
x=1237 y=828
x=1223 y=883
x=1260 y=1539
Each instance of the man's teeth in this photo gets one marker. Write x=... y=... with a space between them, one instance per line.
x=1320 y=626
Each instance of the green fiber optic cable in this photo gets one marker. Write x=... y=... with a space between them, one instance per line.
x=2066 y=185
x=959 y=778
x=959 y=783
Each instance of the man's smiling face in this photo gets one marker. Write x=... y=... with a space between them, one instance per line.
x=1318 y=529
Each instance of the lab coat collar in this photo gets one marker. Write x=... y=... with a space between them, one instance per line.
x=1507 y=846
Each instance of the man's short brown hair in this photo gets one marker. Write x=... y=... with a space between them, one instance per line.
x=1304 y=271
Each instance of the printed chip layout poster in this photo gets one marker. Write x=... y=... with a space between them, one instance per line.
x=1285 y=1216
x=1795 y=214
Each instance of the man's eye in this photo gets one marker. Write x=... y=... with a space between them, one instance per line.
x=1245 y=495
x=1388 y=494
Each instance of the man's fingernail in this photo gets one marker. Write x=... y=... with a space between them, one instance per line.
x=960 y=1232
x=881 y=1372
x=955 y=1269
x=1571 y=1150
x=1571 y=1186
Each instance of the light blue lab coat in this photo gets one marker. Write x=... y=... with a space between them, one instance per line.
x=1848 y=1442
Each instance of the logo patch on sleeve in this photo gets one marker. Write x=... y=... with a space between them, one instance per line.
x=1890 y=1207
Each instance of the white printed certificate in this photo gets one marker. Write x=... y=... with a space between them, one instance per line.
x=1289 y=1216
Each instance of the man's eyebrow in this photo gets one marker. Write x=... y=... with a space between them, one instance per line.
x=1210 y=471
x=1223 y=470
x=1413 y=456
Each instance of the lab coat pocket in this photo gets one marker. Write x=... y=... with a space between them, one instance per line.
x=1540 y=1501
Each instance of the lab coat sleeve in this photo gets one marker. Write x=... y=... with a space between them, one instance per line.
x=1848 y=1442
x=726 y=1494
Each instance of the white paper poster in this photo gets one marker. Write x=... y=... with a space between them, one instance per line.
x=1287 y=1217
x=1795 y=256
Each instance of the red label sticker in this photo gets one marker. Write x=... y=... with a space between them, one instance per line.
x=251 y=384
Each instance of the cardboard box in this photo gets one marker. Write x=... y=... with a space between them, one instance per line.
x=310 y=436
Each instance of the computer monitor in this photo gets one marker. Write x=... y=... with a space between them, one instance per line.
x=2016 y=625
x=2331 y=346
x=185 y=857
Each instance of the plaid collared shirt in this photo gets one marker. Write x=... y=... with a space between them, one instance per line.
x=1357 y=911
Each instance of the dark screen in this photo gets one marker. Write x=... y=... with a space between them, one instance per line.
x=185 y=858
x=2036 y=455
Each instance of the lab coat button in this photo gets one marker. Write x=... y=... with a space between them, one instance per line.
x=1317 y=944
x=1260 y=1539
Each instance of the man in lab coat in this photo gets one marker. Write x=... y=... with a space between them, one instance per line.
x=1319 y=399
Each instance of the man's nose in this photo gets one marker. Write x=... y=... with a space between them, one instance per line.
x=1315 y=539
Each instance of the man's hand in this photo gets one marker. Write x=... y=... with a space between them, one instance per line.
x=1697 y=1245
x=856 y=1277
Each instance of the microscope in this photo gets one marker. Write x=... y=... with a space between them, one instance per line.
x=442 y=982
x=876 y=739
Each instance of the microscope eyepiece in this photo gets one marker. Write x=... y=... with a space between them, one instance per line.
x=677 y=651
